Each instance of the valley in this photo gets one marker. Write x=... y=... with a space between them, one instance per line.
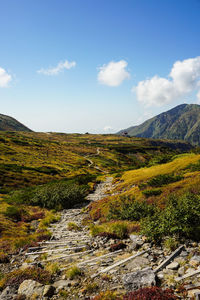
x=79 y=213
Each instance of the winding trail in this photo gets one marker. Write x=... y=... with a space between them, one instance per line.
x=91 y=162
x=65 y=243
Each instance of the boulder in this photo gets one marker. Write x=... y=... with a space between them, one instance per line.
x=31 y=287
x=136 y=280
x=138 y=263
x=61 y=284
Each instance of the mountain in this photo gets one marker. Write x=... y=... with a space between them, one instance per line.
x=180 y=123
x=10 y=124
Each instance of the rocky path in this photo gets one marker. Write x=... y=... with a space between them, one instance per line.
x=136 y=264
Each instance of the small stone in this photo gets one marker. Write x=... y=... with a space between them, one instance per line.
x=192 y=293
x=173 y=266
x=183 y=254
x=181 y=271
x=194 y=261
x=190 y=270
x=160 y=275
x=61 y=284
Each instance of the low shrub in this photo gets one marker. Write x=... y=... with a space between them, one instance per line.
x=171 y=243
x=151 y=293
x=73 y=226
x=53 y=268
x=193 y=167
x=163 y=179
x=90 y=288
x=114 y=230
x=74 y=272
x=120 y=229
x=152 y=192
x=15 y=278
x=56 y=195
x=180 y=217
x=108 y=235
x=130 y=209
x=13 y=213
x=108 y=295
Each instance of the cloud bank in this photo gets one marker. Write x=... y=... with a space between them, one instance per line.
x=5 y=78
x=113 y=74
x=61 y=66
x=183 y=79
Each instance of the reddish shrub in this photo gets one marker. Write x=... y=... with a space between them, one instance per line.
x=117 y=246
x=35 y=216
x=43 y=237
x=151 y=293
x=108 y=235
x=4 y=258
x=16 y=277
x=96 y=215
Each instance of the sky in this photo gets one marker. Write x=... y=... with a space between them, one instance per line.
x=97 y=65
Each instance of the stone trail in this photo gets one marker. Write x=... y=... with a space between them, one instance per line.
x=77 y=247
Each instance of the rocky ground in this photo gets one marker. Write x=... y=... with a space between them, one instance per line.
x=137 y=264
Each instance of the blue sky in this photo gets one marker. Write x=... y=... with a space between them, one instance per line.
x=121 y=61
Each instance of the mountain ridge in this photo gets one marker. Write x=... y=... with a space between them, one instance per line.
x=179 y=123
x=8 y=123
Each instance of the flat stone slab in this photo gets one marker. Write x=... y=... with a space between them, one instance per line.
x=136 y=280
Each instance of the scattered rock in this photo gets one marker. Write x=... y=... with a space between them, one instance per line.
x=194 y=261
x=31 y=287
x=8 y=293
x=173 y=266
x=61 y=284
x=181 y=271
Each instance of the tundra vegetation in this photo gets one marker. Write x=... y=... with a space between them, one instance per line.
x=156 y=193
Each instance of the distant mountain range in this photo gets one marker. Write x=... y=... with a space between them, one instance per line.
x=10 y=124
x=180 y=123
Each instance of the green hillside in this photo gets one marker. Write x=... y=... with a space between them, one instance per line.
x=179 y=123
x=10 y=124
x=30 y=158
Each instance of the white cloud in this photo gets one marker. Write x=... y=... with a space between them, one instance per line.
x=183 y=79
x=5 y=78
x=114 y=73
x=108 y=128
x=59 y=68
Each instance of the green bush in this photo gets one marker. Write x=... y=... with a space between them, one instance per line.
x=13 y=213
x=152 y=192
x=194 y=167
x=131 y=210
x=180 y=217
x=74 y=272
x=163 y=179
x=56 y=195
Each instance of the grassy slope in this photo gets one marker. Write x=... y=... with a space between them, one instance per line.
x=29 y=159
x=134 y=182
x=34 y=158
